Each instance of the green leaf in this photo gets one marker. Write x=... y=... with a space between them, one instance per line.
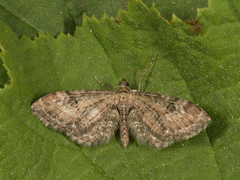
x=28 y=17
x=198 y=62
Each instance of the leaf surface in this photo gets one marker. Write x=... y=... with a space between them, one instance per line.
x=198 y=62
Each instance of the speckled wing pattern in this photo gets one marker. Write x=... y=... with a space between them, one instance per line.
x=159 y=120
x=87 y=117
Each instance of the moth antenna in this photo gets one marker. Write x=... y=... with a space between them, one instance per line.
x=104 y=84
x=139 y=83
x=130 y=71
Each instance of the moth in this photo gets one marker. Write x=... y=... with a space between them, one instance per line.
x=91 y=117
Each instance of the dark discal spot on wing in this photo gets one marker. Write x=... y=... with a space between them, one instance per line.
x=171 y=107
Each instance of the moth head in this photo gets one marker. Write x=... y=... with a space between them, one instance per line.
x=123 y=86
x=123 y=83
